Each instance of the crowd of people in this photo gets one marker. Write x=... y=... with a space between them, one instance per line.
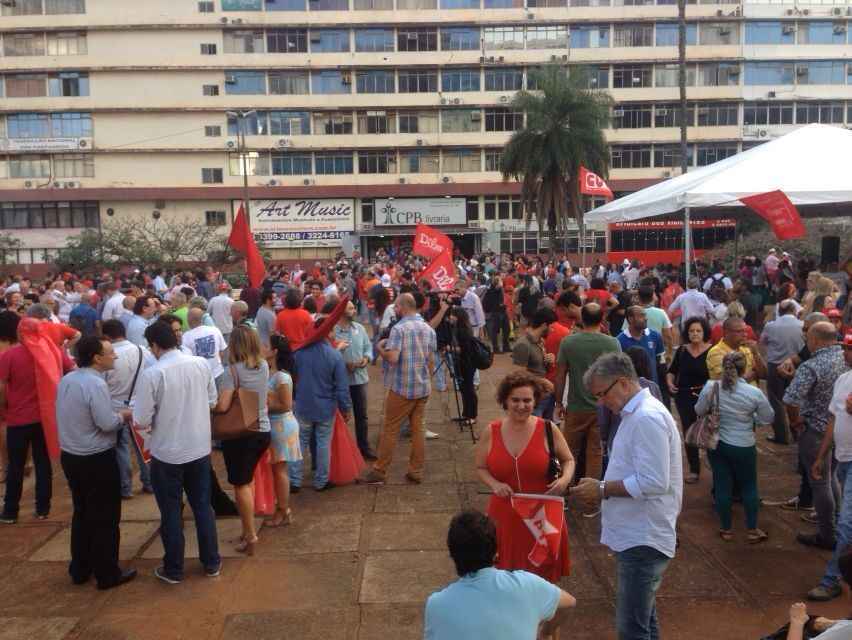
x=610 y=366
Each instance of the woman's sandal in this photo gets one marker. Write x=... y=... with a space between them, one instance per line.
x=246 y=546
x=282 y=518
x=756 y=536
x=726 y=534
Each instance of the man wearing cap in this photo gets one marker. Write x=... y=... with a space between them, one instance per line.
x=835 y=316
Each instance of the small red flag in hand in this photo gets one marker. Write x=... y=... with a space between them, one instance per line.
x=545 y=517
x=591 y=184
x=242 y=240
x=775 y=207
x=441 y=274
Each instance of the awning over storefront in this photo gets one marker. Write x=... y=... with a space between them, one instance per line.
x=450 y=230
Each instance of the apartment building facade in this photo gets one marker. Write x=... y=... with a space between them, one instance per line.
x=361 y=117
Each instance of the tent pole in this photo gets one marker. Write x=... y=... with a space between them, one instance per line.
x=687 y=236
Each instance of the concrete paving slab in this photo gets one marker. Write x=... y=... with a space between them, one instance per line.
x=585 y=583
x=229 y=531
x=44 y=590
x=20 y=540
x=312 y=624
x=312 y=534
x=142 y=507
x=352 y=499
x=405 y=576
x=391 y=532
x=43 y=629
x=162 y=626
x=400 y=622
x=435 y=472
x=417 y=498
x=134 y=535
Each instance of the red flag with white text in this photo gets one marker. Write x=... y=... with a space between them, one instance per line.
x=140 y=440
x=441 y=274
x=242 y=240
x=775 y=207
x=429 y=242
x=591 y=184
x=545 y=518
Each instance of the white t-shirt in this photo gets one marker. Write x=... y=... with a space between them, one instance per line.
x=842 y=420
x=208 y=343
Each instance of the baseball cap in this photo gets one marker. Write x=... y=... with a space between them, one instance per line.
x=386 y=280
x=772 y=250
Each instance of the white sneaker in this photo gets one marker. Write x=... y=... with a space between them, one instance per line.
x=431 y=435
x=593 y=514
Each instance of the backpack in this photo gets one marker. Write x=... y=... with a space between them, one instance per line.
x=481 y=355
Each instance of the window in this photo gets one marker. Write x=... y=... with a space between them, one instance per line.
x=710 y=153
x=718 y=74
x=245 y=83
x=373 y=5
x=718 y=114
x=368 y=207
x=331 y=82
x=504 y=4
x=419 y=161
x=417 y=39
x=333 y=123
x=503 y=37
x=596 y=77
x=824 y=112
x=459 y=4
x=546 y=3
x=493 y=158
x=66 y=44
x=631 y=116
x=288 y=83
x=328 y=5
x=212 y=176
x=206 y=7
x=256 y=164
x=822 y=32
x=214 y=218
x=29 y=166
x=418 y=122
x=668 y=115
x=210 y=90
x=28 y=125
x=821 y=72
x=244 y=41
x=461 y=160
x=503 y=208
x=548 y=37
x=285 y=5
x=71 y=125
x=756 y=113
x=208 y=49
x=718 y=33
x=500 y=119
x=471 y=205
x=289 y=123
x=255 y=124
x=461 y=120
x=23 y=44
x=668 y=35
x=629 y=76
x=633 y=35
x=504 y=79
x=590 y=36
x=291 y=164
x=377 y=162
x=20 y=215
x=630 y=156
x=74 y=165
x=668 y=75
x=668 y=155
x=68 y=84
x=329 y=40
x=26 y=85
x=376 y=122
x=334 y=163
x=460 y=38
x=22 y=8
x=213 y=131
x=375 y=81
x=407 y=5
x=769 y=73
x=522 y=242
x=418 y=81
x=60 y=7
x=770 y=32
x=374 y=40
x=242 y=5
x=287 y=41
x=460 y=80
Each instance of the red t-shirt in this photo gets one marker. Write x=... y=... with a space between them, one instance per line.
x=59 y=333
x=718 y=331
x=293 y=323
x=551 y=345
x=17 y=371
x=600 y=296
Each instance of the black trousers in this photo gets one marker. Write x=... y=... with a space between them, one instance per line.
x=470 y=402
x=358 y=394
x=685 y=402
x=95 y=485
x=18 y=440
x=497 y=322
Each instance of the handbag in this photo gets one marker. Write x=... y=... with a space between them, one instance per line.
x=241 y=418
x=704 y=432
x=554 y=467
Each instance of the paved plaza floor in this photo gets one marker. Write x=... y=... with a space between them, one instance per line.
x=359 y=561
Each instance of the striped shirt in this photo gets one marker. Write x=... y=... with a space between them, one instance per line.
x=416 y=342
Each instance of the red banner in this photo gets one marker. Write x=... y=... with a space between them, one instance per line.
x=242 y=240
x=430 y=242
x=545 y=518
x=591 y=184
x=140 y=440
x=775 y=207
x=441 y=274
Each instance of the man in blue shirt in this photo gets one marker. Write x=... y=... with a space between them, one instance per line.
x=84 y=317
x=638 y=334
x=486 y=602
x=357 y=355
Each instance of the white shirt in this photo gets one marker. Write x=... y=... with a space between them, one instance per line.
x=208 y=343
x=63 y=303
x=120 y=377
x=471 y=303
x=646 y=456
x=631 y=277
x=174 y=397
x=159 y=284
x=718 y=277
x=113 y=307
x=842 y=420
x=219 y=309
x=692 y=303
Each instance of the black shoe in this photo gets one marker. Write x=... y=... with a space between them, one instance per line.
x=4 y=519
x=295 y=489
x=80 y=580
x=327 y=486
x=126 y=576
x=368 y=455
x=813 y=540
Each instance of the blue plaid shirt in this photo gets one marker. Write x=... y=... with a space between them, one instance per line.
x=416 y=342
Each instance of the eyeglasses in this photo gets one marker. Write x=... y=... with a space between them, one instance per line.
x=603 y=393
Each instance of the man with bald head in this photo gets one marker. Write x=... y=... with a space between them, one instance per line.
x=408 y=359
x=205 y=342
x=807 y=400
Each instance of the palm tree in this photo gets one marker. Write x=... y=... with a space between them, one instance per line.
x=564 y=129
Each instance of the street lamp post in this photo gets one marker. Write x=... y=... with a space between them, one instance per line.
x=241 y=118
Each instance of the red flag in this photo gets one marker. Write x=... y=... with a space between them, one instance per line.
x=545 y=518
x=441 y=274
x=242 y=240
x=140 y=439
x=591 y=184
x=775 y=207
x=430 y=242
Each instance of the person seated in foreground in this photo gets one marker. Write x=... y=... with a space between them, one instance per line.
x=827 y=629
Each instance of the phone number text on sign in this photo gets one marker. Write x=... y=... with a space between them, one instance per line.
x=300 y=238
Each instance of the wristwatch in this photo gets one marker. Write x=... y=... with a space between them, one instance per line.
x=602 y=490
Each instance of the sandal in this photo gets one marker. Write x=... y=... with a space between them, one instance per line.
x=282 y=518
x=246 y=546
x=726 y=534
x=691 y=478
x=756 y=536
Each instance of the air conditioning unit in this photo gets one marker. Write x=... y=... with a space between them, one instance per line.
x=28 y=184
x=231 y=144
x=662 y=112
x=56 y=185
x=719 y=13
x=806 y=12
x=530 y=16
x=504 y=99
x=419 y=142
x=445 y=179
x=491 y=59
x=554 y=58
x=315 y=37
x=619 y=113
x=837 y=11
x=402 y=181
x=71 y=185
x=501 y=59
x=788 y=29
x=230 y=80
x=457 y=101
x=283 y=142
x=762 y=133
x=444 y=100
x=476 y=116
x=790 y=12
x=481 y=59
x=83 y=144
x=223 y=20
x=667 y=174
x=306 y=181
x=238 y=20
x=272 y=183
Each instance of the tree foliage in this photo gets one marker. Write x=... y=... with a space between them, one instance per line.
x=8 y=244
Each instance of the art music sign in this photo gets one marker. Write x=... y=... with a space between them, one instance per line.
x=408 y=212
x=312 y=222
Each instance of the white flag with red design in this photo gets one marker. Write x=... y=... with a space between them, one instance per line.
x=141 y=438
x=545 y=518
x=591 y=184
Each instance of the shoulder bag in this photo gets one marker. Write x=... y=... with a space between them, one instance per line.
x=241 y=418
x=704 y=432
x=135 y=376
x=554 y=467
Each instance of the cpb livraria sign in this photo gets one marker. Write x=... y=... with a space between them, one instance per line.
x=408 y=212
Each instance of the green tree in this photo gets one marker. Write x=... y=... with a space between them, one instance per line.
x=8 y=244
x=564 y=129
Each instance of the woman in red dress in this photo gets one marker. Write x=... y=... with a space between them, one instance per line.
x=512 y=456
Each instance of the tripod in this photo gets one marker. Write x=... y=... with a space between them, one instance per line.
x=452 y=368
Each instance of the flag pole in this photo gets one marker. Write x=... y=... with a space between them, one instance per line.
x=687 y=236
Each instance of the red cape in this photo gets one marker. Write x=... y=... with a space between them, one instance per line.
x=48 y=370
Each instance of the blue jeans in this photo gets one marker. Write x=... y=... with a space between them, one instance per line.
x=544 y=409
x=843 y=531
x=323 y=455
x=123 y=445
x=169 y=482
x=639 y=572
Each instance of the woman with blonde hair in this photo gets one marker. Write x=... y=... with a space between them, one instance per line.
x=741 y=406
x=736 y=310
x=247 y=370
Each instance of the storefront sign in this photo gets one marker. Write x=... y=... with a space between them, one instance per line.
x=409 y=212
x=301 y=223
x=45 y=144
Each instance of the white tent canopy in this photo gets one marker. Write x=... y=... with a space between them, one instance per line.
x=810 y=165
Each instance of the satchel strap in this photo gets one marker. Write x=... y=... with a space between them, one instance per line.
x=235 y=378
x=548 y=433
